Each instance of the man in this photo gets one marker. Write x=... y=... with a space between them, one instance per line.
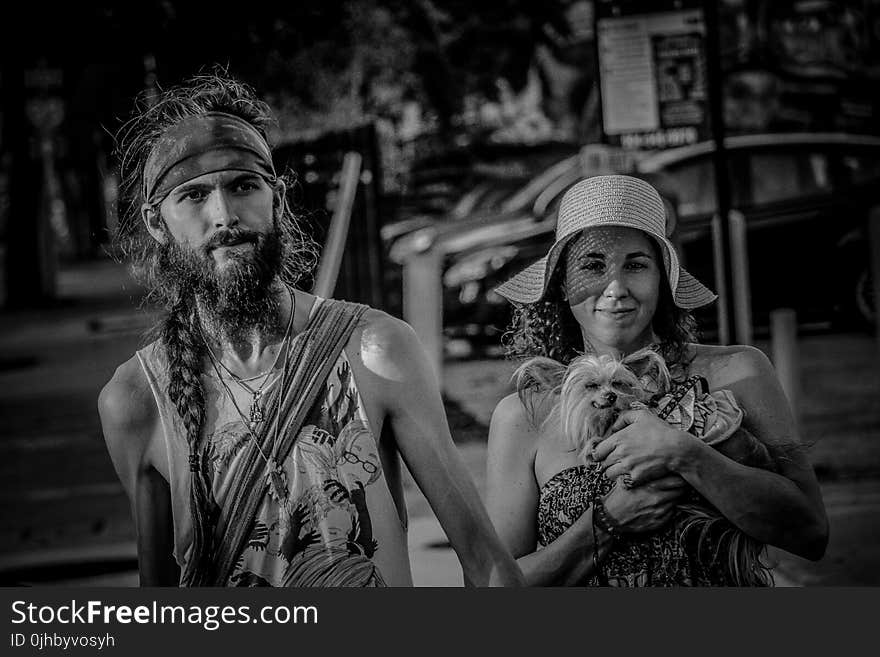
x=258 y=435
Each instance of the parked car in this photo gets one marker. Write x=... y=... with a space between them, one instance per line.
x=805 y=199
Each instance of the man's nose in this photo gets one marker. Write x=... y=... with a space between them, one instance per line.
x=221 y=211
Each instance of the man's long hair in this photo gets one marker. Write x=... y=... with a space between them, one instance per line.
x=178 y=329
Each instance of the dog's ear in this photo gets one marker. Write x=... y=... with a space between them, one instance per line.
x=650 y=368
x=539 y=372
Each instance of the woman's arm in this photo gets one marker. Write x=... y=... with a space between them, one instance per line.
x=512 y=502
x=784 y=509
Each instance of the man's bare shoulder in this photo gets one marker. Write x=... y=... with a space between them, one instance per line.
x=126 y=403
x=384 y=330
x=723 y=365
x=381 y=339
x=129 y=420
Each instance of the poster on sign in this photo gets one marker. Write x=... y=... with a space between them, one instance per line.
x=652 y=67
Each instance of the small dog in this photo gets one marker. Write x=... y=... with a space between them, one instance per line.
x=594 y=390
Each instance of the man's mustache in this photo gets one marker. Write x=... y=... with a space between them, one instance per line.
x=230 y=237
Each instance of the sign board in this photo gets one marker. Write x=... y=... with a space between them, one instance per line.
x=652 y=71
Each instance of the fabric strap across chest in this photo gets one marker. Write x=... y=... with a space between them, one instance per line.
x=312 y=358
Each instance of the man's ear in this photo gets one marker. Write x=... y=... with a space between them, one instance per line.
x=279 y=190
x=153 y=222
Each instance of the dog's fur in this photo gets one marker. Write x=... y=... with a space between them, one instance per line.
x=594 y=390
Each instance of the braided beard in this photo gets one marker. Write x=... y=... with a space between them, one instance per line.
x=233 y=300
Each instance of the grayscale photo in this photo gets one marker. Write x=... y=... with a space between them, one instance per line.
x=436 y=293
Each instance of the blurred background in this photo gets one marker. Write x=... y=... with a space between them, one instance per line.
x=757 y=121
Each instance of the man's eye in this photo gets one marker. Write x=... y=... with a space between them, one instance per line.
x=246 y=186
x=194 y=195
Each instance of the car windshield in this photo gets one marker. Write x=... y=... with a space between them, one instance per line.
x=767 y=175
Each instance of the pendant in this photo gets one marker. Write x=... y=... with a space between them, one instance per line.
x=256 y=412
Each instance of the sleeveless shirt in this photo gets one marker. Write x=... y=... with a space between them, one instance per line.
x=328 y=519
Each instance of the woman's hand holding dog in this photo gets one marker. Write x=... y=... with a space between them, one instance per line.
x=641 y=448
x=647 y=507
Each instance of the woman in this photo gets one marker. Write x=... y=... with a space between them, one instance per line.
x=612 y=284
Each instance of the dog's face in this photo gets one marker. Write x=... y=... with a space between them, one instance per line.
x=595 y=391
x=607 y=384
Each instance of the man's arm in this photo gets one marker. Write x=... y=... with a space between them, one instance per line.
x=410 y=395
x=129 y=422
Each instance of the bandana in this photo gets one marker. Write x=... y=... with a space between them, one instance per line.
x=194 y=146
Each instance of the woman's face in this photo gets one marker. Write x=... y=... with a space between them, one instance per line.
x=612 y=283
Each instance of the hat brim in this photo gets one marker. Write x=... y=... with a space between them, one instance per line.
x=690 y=293
x=530 y=285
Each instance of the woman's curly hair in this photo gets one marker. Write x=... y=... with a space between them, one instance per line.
x=548 y=328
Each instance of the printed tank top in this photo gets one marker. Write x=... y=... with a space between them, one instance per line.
x=328 y=518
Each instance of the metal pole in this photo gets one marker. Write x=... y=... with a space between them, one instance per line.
x=722 y=305
x=331 y=256
x=423 y=302
x=719 y=161
x=742 y=298
x=874 y=250
x=786 y=360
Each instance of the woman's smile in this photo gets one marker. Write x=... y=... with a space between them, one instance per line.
x=613 y=284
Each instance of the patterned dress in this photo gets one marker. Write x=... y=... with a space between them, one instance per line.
x=669 y=556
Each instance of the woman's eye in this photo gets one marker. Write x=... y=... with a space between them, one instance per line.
x=636 y=266
x=594 y=265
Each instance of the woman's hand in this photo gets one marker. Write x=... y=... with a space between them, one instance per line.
x=641 y=448
x=647 y=507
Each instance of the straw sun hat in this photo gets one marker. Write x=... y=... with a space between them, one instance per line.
x=608 y=201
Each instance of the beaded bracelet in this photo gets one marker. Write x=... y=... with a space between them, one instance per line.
x=603 y=520
x=606 y=523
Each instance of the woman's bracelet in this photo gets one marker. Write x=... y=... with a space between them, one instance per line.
x=603 y=520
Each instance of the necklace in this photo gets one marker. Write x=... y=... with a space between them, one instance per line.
x=255 y=413
x=275 y=476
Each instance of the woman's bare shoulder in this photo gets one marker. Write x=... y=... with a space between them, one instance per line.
x=530 y=406
x=517 y=419
x=729 y=364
